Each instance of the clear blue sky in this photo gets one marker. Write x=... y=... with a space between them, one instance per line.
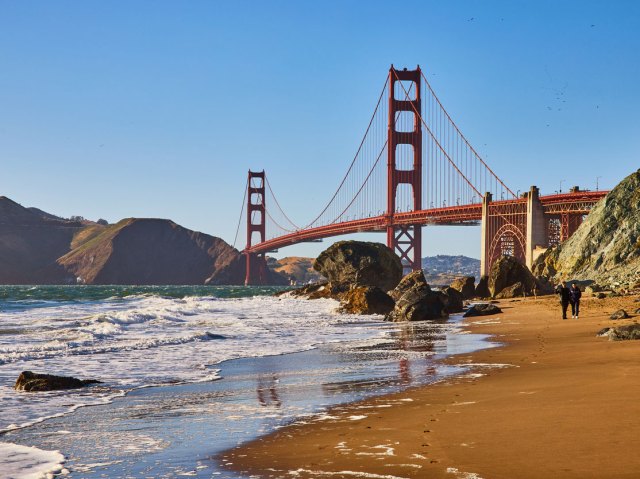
x=158 y=109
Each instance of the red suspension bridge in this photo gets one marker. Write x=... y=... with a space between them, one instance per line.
x=414 y=167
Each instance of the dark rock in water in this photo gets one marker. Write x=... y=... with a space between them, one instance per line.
x=466 y=285
x=507 y=271
x=317 y=291
x=214 y=336
x=624 y=333
x=514 y=291
x=29 y=381
x=454 y=299
x=366 y=300
x=360 y=263
x=482 y=309
x=620 y=314
x=482 y=290
x=416 y=301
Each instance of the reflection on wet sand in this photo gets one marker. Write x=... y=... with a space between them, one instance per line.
x=267 y=391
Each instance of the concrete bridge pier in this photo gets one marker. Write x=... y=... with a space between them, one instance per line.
x=517 y=228
x=537 y=235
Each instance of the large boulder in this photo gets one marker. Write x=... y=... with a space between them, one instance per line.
x=416 y=301
x=514 y=291
x=619 y=314
x=366 y=300
x=466 y=285
x=360 y=263
x=482 y=309
x=482 y=289
x=606 y=246
x=30 y=381
x=622 y=333
x=506 y=272
x=454 y=300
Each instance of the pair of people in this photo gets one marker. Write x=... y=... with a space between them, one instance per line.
x=569 y=296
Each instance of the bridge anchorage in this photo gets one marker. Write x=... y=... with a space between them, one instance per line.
x=432 y=176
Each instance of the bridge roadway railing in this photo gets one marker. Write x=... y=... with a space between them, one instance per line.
x=446 y=215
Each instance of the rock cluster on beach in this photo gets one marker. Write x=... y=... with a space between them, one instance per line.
x=606 y=246
x=35 y=382
x=367 y=279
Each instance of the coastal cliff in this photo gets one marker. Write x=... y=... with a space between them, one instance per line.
x=40 y=248
x=606 y=246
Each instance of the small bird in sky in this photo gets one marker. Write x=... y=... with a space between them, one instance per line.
x=471 y=19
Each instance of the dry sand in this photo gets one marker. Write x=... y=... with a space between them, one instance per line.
x=566 y=404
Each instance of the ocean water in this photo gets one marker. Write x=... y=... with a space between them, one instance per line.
x=157 y=349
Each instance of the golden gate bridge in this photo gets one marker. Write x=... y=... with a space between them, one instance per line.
x=414 y=167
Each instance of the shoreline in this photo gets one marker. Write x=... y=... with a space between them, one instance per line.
x=566 y=407
x=175 y=429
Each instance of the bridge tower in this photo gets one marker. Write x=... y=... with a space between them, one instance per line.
x=404 y=240
x=256 y=263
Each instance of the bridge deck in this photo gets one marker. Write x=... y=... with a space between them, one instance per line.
x=578 y=202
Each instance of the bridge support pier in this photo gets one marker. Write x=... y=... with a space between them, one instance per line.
x=404 y=240
x=485 y=241
x=256 y=264
x=537 y=236
x=518 y=228
x=256 y=272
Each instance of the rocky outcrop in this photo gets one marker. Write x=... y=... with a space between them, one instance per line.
x=482 y=289
x=482 y=309
x=506 y=272
x=366 y=300
x=620 y=314
x=606 y=246
x=466 y=285
x=30 y=381
x=416 y=301
x=360 y=263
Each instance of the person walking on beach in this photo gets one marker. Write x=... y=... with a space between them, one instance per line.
x=574 y=299
x=563 y=292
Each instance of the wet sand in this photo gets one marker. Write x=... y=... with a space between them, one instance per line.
x=565 y=404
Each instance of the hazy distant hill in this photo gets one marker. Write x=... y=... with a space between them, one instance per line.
x=39 y=248
x=443 y=269
x=298 y=268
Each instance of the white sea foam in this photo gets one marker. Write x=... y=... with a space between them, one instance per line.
x=22 y=462
x=147 y=340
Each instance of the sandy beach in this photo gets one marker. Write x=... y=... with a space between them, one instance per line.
x=558 y=401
